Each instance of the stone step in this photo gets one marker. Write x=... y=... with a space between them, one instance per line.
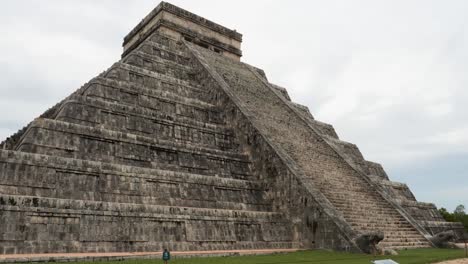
x=64 y=139
x=382 y=225
x=354 y=207
x=377 y=216
x=354 y=181
x=384 y=215
x=407 y=247
x=350 y=204
x=401 y=233
x=359 y=210
x=372 y=222
x=355 y=185
x=135 y=120
x=368 y=205
x=391 y=230
x=394 y=217
x=394 y=233
x=347 y=182
x=403 y=239
x=376 y=224
x=385 y=228
x=356 y=196
x=403 y=244
x=411 y=236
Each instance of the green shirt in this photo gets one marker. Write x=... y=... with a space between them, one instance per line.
x=166 y=255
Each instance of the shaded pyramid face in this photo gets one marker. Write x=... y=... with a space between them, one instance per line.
x=138 y=159
x=180 y=145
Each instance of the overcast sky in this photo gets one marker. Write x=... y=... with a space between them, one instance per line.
x=391 y=76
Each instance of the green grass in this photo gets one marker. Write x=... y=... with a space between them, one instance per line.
x=414 y=256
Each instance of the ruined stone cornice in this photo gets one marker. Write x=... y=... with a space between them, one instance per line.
x=197 y=37
x=164 y=6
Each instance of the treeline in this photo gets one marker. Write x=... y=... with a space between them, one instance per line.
x=458 y=215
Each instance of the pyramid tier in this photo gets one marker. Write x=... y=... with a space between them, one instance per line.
x=57 y=177
x=96 y=112
x=58 y=138
x=42 y=225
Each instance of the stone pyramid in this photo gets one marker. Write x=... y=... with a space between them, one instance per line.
x=181 y=145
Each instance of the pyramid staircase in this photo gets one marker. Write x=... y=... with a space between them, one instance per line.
x=306 y=148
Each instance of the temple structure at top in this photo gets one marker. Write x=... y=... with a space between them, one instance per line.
x=179 y=24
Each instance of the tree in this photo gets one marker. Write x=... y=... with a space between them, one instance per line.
x=446 y=215
x=458 y=215
x=459 y=210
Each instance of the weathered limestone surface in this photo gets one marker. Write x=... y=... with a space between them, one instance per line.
x=180 y=145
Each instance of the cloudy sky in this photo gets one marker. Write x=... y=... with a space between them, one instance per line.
x=391 y=76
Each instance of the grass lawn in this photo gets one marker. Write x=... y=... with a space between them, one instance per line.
x=414 y=256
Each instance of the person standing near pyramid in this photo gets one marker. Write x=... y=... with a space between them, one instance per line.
x=166 y=256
